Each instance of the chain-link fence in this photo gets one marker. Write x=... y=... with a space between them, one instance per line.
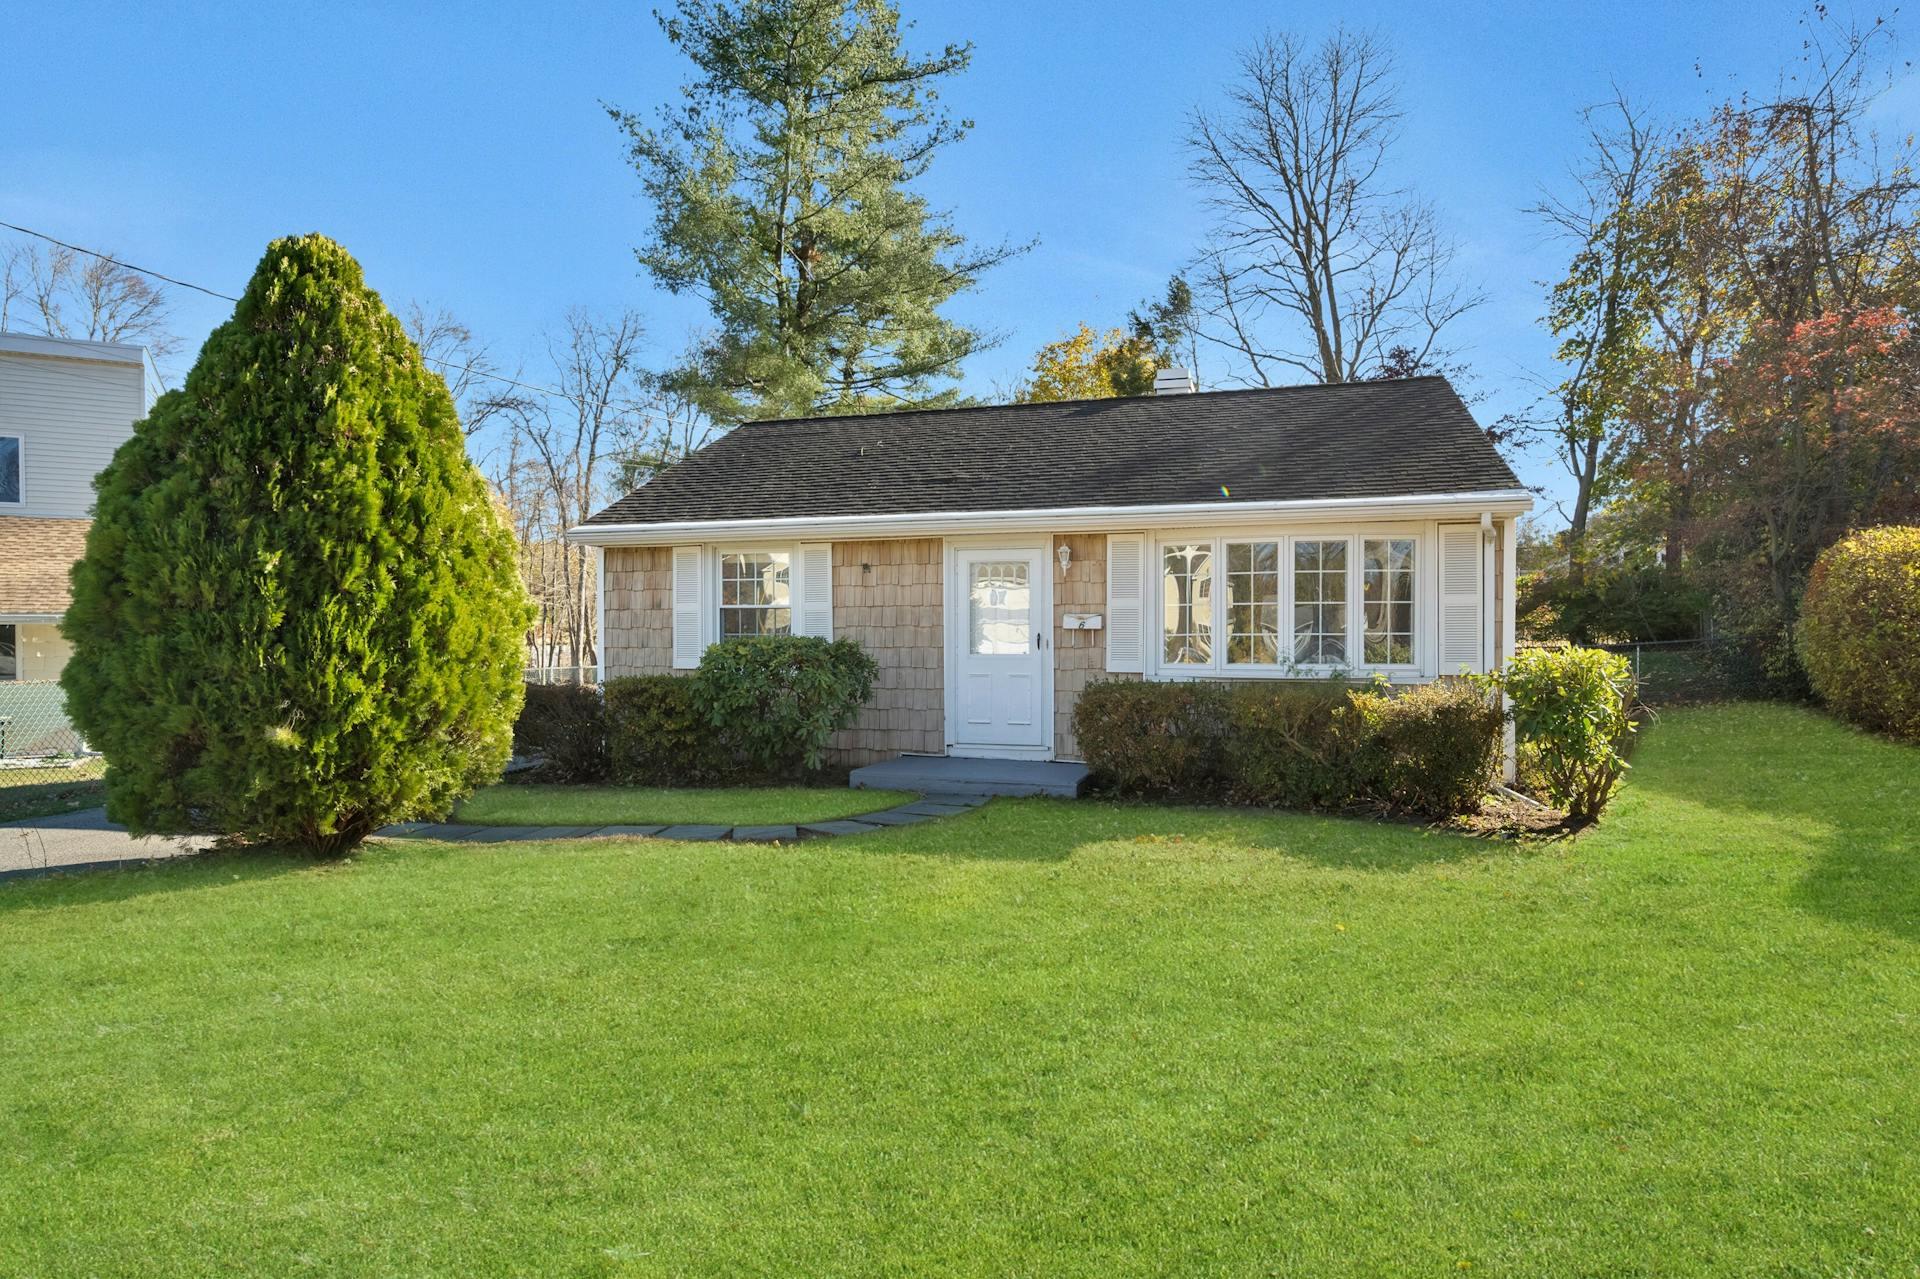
x=562 y=675
x=43 y=759
x=1669 y=672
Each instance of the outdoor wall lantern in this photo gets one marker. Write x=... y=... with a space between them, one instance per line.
x=1066 y=556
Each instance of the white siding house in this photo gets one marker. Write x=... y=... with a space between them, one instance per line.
x=65 y=406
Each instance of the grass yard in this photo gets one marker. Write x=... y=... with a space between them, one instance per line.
x=43 y=792
x=537 y=805
x=1042 y=1038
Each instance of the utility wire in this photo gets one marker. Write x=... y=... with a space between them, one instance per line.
x=228 y=297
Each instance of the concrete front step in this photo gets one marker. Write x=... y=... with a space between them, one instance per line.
x=948 y=775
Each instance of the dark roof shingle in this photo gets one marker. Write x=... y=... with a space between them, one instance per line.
x=1354 y=440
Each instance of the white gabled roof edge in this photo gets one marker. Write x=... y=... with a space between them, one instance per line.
x=1068 y=519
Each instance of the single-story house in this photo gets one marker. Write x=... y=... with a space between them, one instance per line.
x=997 y=559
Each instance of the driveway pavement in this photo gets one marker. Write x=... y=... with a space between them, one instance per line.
x=85 y=838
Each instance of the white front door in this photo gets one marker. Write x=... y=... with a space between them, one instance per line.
x=998 y=643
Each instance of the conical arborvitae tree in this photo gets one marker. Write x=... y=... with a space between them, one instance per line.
x=299 y=617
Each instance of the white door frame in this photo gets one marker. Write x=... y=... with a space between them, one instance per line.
x=955 y=613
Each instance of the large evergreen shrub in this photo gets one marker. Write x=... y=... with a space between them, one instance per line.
x=777 y=699
x=299 y=616
x=1860 y=629
x=1573 y=710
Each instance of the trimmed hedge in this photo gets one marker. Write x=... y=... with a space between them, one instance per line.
x=1859 y=634
x=658 y=734
x=1429 y=751
x=777 y=699
x=565 y=724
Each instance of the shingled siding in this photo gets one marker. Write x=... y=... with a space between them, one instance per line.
x=639 y=637
x=887 y=595
x=1079 y=657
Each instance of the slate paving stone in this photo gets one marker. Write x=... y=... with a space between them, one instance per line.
x=402 y=829
x=497 y=835
x=628 y=832
x=837 y=828
x=556 y=832
x=448 y=831
x=695 y=832
x=765 y=834
x=895 y=817
x=926 y=809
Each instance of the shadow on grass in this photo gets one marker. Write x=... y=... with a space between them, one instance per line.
x=1052 y=830
x=1850 y=799
x=57 y=888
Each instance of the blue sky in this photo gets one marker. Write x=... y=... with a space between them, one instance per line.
x=461 y=153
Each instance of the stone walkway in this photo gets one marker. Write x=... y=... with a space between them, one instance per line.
x=86 y=840
x=926 y=808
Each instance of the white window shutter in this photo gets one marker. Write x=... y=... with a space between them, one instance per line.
x=813 y=614
x=1127 y=602
x=1460 y=612
x=688 y=608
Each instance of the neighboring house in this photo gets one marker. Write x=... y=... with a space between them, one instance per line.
x=65 y=406
x=995 y=560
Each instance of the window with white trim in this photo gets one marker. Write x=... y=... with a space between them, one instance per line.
x=9 y=652
x=1306 y=603
x=756 y=593
x=13 y=480
x=1320 y=601
x=1186 y=602
x=1386 y=597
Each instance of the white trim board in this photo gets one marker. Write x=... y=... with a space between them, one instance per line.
x=1052 y=520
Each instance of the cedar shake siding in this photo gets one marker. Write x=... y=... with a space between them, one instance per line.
x=887 y=595
x=639 y=592
x=1079 y=657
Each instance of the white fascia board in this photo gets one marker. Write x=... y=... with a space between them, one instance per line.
x=73 y=348
x=1080 y=519
x=29 y=619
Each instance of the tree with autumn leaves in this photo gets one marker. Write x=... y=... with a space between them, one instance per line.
x=1741 y=371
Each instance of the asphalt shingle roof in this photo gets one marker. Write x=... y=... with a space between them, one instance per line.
x=35 y=557
x=1353 y=440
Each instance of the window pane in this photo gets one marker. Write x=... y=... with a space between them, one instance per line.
x=1387 y=585
x=755 y=593
x=1253 y=602
x=9 y=652
x=1320 y=601
x=999 y=608
x=9 y=468
x=1186 y=593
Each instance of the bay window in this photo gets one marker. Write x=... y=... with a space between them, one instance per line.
x=1303 y=604
x=756 y=593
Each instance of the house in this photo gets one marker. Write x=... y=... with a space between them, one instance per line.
x=65 y=406
x=997 y=559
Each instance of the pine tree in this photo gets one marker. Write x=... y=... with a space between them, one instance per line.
x=299 y=616
x=783 y=197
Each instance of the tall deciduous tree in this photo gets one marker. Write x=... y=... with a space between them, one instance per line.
x=298 y=617
x=1318 y=263
x=1091 y=366
x=72 y=295
x=783 y=190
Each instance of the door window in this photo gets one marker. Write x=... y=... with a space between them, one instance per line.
x=999 y=608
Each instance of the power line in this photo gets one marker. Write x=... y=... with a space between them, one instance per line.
x=228 y=297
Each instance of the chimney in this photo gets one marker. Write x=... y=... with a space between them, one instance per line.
x=1173 y=380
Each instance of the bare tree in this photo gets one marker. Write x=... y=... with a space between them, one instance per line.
x=574 y=443
x=72 y=295
x=1317 y=263
x=450 y=349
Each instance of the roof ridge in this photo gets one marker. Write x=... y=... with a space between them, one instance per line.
x=1180 y=396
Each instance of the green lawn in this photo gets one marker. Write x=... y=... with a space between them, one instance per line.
x=1043 y=1038
x=42 y=792
x=532 y=805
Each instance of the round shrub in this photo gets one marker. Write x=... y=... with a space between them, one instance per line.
x=777 y=699
x=1294 y=745
x=299 y=616
x=1859 y=635
x=1572 y=707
